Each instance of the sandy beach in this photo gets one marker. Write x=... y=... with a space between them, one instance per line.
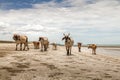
x=55 y=65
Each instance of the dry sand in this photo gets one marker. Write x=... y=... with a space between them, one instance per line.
x=55 y=65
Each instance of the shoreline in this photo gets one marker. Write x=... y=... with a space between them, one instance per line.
x=85 y=45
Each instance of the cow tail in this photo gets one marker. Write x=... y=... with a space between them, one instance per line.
x=27 y=43
x=26 y=39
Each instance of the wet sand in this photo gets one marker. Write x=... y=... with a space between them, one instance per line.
x=55 y=65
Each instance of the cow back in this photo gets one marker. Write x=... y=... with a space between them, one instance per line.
x=23 y=39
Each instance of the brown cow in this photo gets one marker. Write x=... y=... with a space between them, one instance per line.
x=54 y=46
x=93 y=47
x=21 y=39
x=79 y=46
x=36 y=44
x=68 y=43
x=44 y=43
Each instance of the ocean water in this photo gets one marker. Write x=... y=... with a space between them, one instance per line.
x=110 y=51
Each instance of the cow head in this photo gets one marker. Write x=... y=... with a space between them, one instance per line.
x=40 y=38
x=16 y=37
x=79 y=43
x=90 y=45
x=66 y=37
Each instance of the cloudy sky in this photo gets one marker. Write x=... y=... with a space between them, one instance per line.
x=88 y=21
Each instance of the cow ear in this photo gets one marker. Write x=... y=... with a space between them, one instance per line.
x=63 y=38
x=39 y=38
x=68 y=34
x=18 y=37
x=14 y=34
x=64 y=34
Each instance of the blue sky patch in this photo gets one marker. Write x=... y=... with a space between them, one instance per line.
x=19 y=4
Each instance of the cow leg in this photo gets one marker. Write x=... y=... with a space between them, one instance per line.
x=44 y=47
x=41 y=48
x=47 y=45
x=20 y=46
x=70 y=51
x=34 y=46
x=95 y=52
x=24 y=46
x=27 y=46
x=79 y=49
x=37 y=46
x=55 y=47
x=92 y=51
x=52 y=47
x=67 y=52
x=16 y=46
x=66 y=48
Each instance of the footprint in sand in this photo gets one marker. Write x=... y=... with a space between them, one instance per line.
x=48 y=58
x=96 y=79
x=118 y=65
x=77 y=73
x=55 y=74
x=20 y=65
x=87 y=70
x=23 y=65
x=66 y=65
x=19 y=58
x=50 y=66
x=107 y=75
x=72 y=67
x=3 y=54
x=13 y=71
x=115 y=71
x=108 y=70
x=36 y=60
x=32 y=70
x=118 y=69
x=81 y=63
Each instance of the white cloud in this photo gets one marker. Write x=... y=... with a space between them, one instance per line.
x=79 y=17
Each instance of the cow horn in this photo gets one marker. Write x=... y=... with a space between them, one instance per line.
x=68 y=34
x=64 y=34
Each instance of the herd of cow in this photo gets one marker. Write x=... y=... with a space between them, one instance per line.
x=43 y=41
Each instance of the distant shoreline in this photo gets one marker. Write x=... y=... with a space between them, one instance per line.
x=85 y=45
x=2 y=41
